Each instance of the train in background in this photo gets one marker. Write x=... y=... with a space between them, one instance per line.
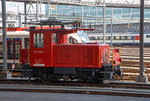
x=17 y=38
x=120 y=39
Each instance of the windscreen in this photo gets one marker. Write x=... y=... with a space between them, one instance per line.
x=83 y=36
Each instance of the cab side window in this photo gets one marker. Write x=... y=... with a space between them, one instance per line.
x=54 y=38
x=38 y=40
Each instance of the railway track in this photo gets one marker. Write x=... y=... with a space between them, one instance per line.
x=110 y=84
x=115 y=88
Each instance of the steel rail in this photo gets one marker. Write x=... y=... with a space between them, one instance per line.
x=76 y=90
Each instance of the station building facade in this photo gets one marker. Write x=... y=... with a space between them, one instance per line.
x=123 y=19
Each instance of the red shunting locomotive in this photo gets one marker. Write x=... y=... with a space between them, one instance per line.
x=52 y=57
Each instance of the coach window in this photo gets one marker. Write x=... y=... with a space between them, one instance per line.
x=107 y=38
x=38 y=40
x=114 y=38
x=123 y=38
x=147 y=36
x=100 y=38
x=129 y=38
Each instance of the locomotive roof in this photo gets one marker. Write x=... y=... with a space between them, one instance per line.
x=51 y=21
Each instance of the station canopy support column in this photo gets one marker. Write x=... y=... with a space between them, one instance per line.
x=104 y=21
x=141 y=77
x=4 y=74
x=25 y=13
x=4 y=35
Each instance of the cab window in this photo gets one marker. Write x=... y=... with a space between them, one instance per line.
x=38 y=40
x=54 y=38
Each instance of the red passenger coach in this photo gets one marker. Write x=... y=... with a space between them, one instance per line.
x=53 y=58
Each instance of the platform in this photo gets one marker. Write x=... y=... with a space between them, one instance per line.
x=33 y=96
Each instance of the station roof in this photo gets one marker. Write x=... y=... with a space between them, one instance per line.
x=9 y=13
x=108 y=3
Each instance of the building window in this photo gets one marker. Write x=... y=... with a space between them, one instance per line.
x=38 y=40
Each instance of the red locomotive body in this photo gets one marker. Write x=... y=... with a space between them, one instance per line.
x=52 y=57
x=81 y=55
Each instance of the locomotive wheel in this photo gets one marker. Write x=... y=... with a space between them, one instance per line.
x=84 y=78
x=87 y=78
x=49 y=78
x=44 y=76
x=66 y=77
x=35 y=74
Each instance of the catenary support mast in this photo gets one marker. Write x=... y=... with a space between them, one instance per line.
x=141 y=77
x=4 y=35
